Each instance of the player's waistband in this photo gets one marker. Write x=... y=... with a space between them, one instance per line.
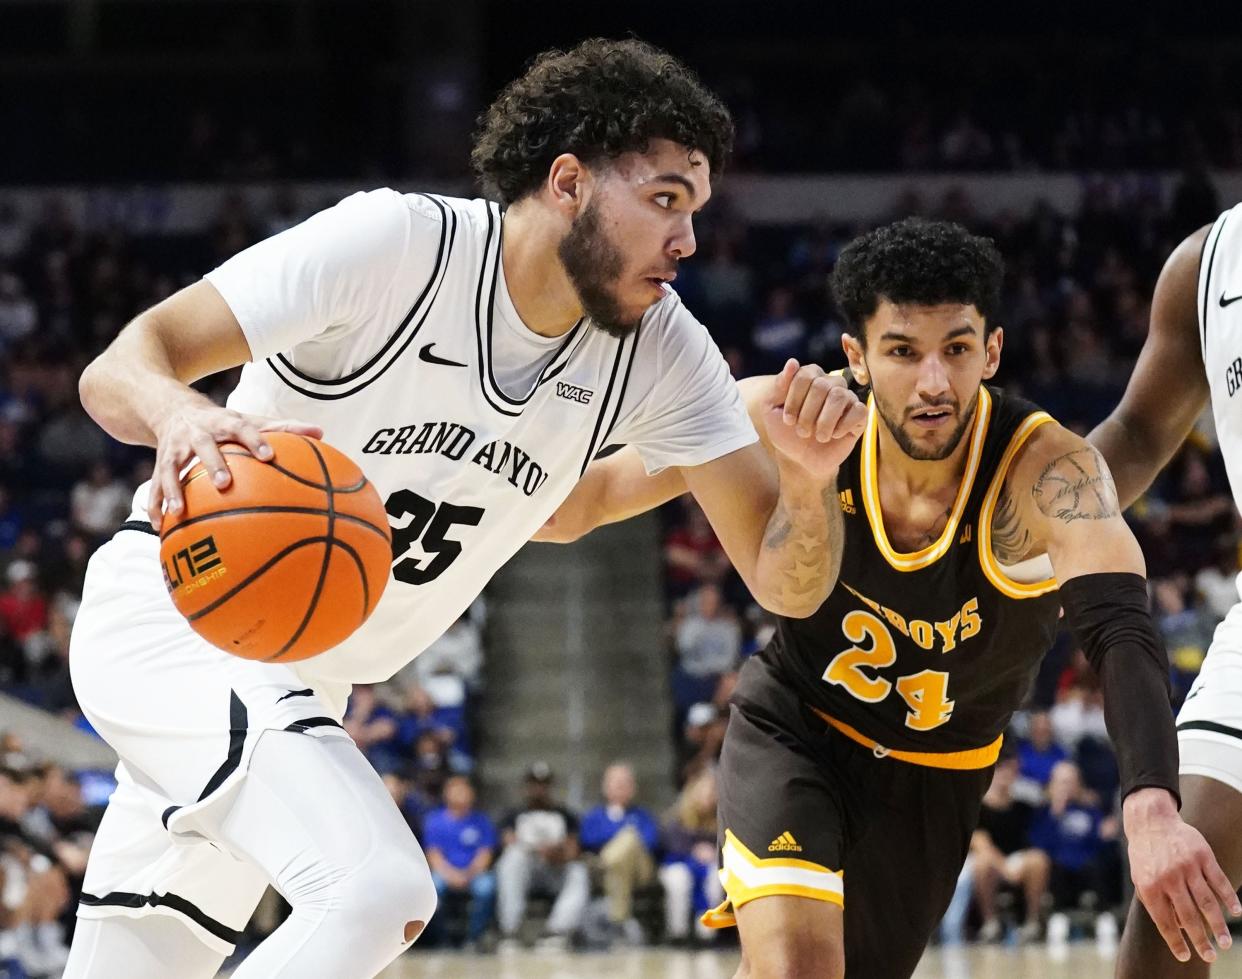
x=969 y=760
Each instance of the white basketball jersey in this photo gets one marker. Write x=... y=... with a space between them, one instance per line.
x=1220 y=333
x=377 y=320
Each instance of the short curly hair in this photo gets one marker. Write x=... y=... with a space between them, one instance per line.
x=920 y=262
x=599 y=100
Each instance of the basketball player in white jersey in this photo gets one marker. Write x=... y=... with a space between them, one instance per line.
x=1192 y=358
x=473 y=359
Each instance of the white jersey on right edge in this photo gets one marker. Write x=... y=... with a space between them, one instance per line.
x=386 y=320
x=1209 y=724
x=1220 y=334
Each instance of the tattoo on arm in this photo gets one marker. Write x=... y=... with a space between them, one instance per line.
x=1077 y=486
x=801 y=551
x=1011 y=541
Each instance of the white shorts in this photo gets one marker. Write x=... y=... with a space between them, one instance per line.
x=184 y=717
x=1209 y=725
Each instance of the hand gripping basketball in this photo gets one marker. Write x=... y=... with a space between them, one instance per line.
x=195 y=431
x=283 y=562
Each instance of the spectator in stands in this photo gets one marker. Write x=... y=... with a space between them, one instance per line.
x=11 y=520
x=22 y=605
x=14 y=668
x=409 y=800
x=421 y=715
x=702 y=739
x=431 y=764
x=1217 y=582
x=692 y=553
x=374 y=727
x=51 y=686
x=1186 y=629
x=457 y=653
x=1039 y=753
x=18 y=316
x=100 y=502
x=688 y=874
x=624 y=838
x=1079 y=708
x=1080 y=841
x=1001 y=854
x=460 y=843
x=33 y=887
x=541 y=855
x=1201 y=509
x=708 y=641
x=779 y=334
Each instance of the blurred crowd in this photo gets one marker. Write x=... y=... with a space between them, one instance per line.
x=1075 y=312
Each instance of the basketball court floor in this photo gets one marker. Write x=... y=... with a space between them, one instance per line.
x=1079 y=961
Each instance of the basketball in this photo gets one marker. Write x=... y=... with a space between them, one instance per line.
x=286 y=561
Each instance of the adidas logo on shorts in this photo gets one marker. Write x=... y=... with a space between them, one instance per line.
x=784 y=842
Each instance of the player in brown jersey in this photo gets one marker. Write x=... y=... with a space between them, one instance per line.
x=862 y=739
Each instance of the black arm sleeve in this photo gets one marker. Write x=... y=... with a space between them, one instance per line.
x=1110 y=619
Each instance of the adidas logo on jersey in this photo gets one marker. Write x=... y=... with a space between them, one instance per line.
x=784 y=842
x=847 y=501
x=967 y=535
x=571 y=392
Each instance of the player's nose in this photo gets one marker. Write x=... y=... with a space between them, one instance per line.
x=933 y=377
x=683 y=244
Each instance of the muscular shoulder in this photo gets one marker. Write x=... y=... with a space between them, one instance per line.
x=1056 y=476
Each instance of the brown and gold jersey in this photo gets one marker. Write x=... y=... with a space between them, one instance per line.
x=930 y=651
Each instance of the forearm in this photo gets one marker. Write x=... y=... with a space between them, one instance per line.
x=1108 y=616
x=1134 y=456
x=800 y=554
x=132 y=385
x=611 y=490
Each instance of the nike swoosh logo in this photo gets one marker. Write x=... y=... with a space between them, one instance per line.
x=1225 y=302
x=426 y=354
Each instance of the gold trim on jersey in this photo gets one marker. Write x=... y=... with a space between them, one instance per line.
x=871 y=489
x=987 y=560
x=967 y=760
x=746 y=877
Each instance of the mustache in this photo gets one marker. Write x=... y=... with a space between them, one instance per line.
x=929 y=405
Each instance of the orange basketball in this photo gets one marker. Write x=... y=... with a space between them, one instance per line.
x=285 y=562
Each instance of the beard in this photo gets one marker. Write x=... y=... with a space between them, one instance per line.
x=922 y=453
x=593 y=263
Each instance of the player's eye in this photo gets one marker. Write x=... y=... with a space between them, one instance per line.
x=901 y=351
x=665 y=200
x=956 y=349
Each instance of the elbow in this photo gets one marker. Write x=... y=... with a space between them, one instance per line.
x=560 y=530
x=789 y=604
x=89 y=388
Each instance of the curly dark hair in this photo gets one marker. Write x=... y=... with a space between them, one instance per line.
x=599 y=100
x=921 y=262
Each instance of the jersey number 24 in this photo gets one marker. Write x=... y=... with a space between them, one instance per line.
x=926 y=693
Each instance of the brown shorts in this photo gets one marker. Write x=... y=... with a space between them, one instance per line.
x=803 y=809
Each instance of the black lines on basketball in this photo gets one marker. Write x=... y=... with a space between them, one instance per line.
x=327 y=554
x=256 y=574
x=273 y=568
x=351 y=488
x=309 y=511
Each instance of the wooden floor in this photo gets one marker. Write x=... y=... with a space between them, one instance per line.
x=1079 y=961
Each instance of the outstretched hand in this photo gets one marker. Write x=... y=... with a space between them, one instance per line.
x=1176 y=876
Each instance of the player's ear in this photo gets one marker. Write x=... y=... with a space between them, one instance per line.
x=854 y=353
x=567 y=183
x=992 y=351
